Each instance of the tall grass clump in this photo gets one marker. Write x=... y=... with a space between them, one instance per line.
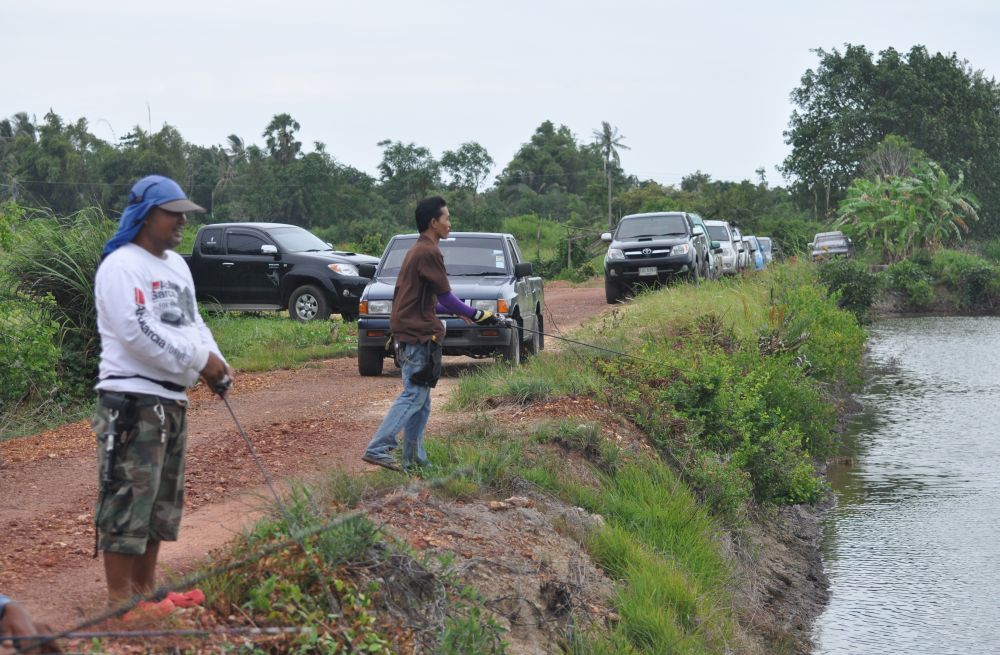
x=541 y=377
x=29 y=354
x=55 y=258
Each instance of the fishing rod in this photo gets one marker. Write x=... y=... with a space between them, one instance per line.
x=511 y=323
x=220 y=389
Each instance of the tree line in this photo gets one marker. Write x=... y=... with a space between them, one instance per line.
x=845 y=109
x=63 y=167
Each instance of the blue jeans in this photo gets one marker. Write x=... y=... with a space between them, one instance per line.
x=408 y=413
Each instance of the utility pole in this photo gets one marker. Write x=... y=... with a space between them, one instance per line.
x=569 y=249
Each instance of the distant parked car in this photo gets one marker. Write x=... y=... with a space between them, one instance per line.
x=766 y=248
x=826 y=245
x=714 y=266
x=722 y=232
x=743 y=256
x=756 y=256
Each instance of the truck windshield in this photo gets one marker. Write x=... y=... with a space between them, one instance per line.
x=718 y=232
x=651 y=226
x=296 y=239
x=462 y=256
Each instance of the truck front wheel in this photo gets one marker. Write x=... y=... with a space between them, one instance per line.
x=534 y=344
x=693 y=273
x=307 y=303
x=370 y=361
x=511 y=353
x=612 y=292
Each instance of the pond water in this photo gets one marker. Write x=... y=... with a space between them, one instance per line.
x=913 y=547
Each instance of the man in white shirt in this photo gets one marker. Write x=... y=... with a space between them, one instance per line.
x=154 y=345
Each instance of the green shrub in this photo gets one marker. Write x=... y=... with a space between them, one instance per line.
x=912 y=281
x=832 y=342
x=991 y=250
x=855 y=287
x=723 y=485
x=972 y=276
x=28 y=351
x=477 y=632
x=781 y=471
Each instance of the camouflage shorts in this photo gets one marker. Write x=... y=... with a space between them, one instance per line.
x=145 y=497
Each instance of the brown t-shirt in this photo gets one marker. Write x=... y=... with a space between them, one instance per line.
x=422 y=277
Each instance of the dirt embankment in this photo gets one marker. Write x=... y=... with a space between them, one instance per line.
x=321 y=417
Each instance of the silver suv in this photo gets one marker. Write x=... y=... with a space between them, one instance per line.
x=728 y=259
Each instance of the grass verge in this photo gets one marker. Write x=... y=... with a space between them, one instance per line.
x=263 y=342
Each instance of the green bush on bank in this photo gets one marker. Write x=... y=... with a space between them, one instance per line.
x=912 y=281
x=974 y=278
x=857 y=288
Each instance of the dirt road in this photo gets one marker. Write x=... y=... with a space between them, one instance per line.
x=301 y=421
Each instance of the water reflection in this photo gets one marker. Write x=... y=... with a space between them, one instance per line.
x=913 y=548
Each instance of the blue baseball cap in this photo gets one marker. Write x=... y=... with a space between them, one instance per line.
x=159 y=191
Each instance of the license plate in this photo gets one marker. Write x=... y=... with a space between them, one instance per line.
x=647 y=270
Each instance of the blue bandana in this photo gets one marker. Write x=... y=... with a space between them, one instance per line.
x=151 y=191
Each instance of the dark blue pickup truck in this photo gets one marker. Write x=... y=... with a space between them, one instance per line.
x=486 y=270
x=274 y=266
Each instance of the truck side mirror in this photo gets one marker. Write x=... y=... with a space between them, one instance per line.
x=522 y=269
x=606 y=237
x=268 y=249
x=697 y=231
x=366 y=270
x=716 y=247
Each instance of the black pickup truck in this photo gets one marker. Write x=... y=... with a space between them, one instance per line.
x=487 y=271
x=273 y=266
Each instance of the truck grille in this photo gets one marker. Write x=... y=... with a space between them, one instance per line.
x=641 y=253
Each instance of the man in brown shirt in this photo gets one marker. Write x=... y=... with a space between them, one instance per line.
x=422 y=290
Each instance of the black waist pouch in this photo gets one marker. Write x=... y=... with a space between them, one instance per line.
x=428 y=376
x=125 y=405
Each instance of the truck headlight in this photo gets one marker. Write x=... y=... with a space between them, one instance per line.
x=615 y=254
x=379 y=306
x=681 y=249
x=344 y=269
x=485 y=305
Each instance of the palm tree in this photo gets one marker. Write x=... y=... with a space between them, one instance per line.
x=280 y=136
x=609 y=141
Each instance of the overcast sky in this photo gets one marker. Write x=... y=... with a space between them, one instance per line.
x=691 y=85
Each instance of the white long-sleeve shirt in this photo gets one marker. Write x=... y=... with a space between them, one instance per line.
x=149 y=323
